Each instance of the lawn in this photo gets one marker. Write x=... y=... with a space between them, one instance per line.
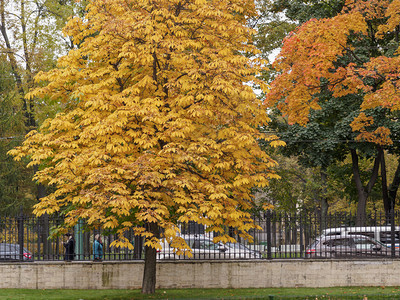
x=364 y=293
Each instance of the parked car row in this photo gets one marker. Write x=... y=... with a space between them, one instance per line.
x=346 y=244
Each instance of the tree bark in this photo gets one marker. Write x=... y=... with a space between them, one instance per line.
x=389 y=194
x=394 y=186
x=363 y=192
x=385 y=194
x=149 y=274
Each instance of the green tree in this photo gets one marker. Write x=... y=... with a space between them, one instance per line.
x=31 y=41
x=16 y=188
x=296 y=189
x=30 y=32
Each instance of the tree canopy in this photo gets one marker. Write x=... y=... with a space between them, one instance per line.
x=351 y=57
x=349 y=53
x=161 y=122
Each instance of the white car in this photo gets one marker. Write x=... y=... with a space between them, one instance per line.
x=204 y=248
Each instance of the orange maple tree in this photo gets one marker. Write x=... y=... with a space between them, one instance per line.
x=161 y=126
x=311 y=58
x=354 y=53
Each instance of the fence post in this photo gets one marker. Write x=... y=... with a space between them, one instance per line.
x=392 y=234
x=269 y=241
x=20 y=224
x=78 y=235
x=44 y=236
x=137 y=250
x=301 y=235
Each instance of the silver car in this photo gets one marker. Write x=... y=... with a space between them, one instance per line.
x=10 y=252
x=347 y=246
x=204 y=248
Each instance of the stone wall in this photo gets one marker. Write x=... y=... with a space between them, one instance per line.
x=201 y=274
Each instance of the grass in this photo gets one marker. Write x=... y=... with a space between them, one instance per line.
x=362 y=293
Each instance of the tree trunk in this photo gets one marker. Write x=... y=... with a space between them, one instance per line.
x=389 y=194
x=361 y=208
x=149 y=274
x=362 y=191
x=394 y=186
x=385 y=194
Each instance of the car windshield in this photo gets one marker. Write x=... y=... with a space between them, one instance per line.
x=203 y=244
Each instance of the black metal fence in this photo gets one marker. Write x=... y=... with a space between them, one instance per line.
x=28 y=238
x=283 y=235
x=338 y=235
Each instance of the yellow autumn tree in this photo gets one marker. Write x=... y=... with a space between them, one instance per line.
x=161 y=124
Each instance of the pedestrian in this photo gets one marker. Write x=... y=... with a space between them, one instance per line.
x=97 y=248
x=69 y=247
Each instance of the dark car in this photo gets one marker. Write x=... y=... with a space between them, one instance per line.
x=347 y=246
x=10 y=252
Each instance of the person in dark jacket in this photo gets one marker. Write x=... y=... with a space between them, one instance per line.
x=69 y=247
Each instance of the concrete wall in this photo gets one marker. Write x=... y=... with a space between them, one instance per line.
x=201 y=274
